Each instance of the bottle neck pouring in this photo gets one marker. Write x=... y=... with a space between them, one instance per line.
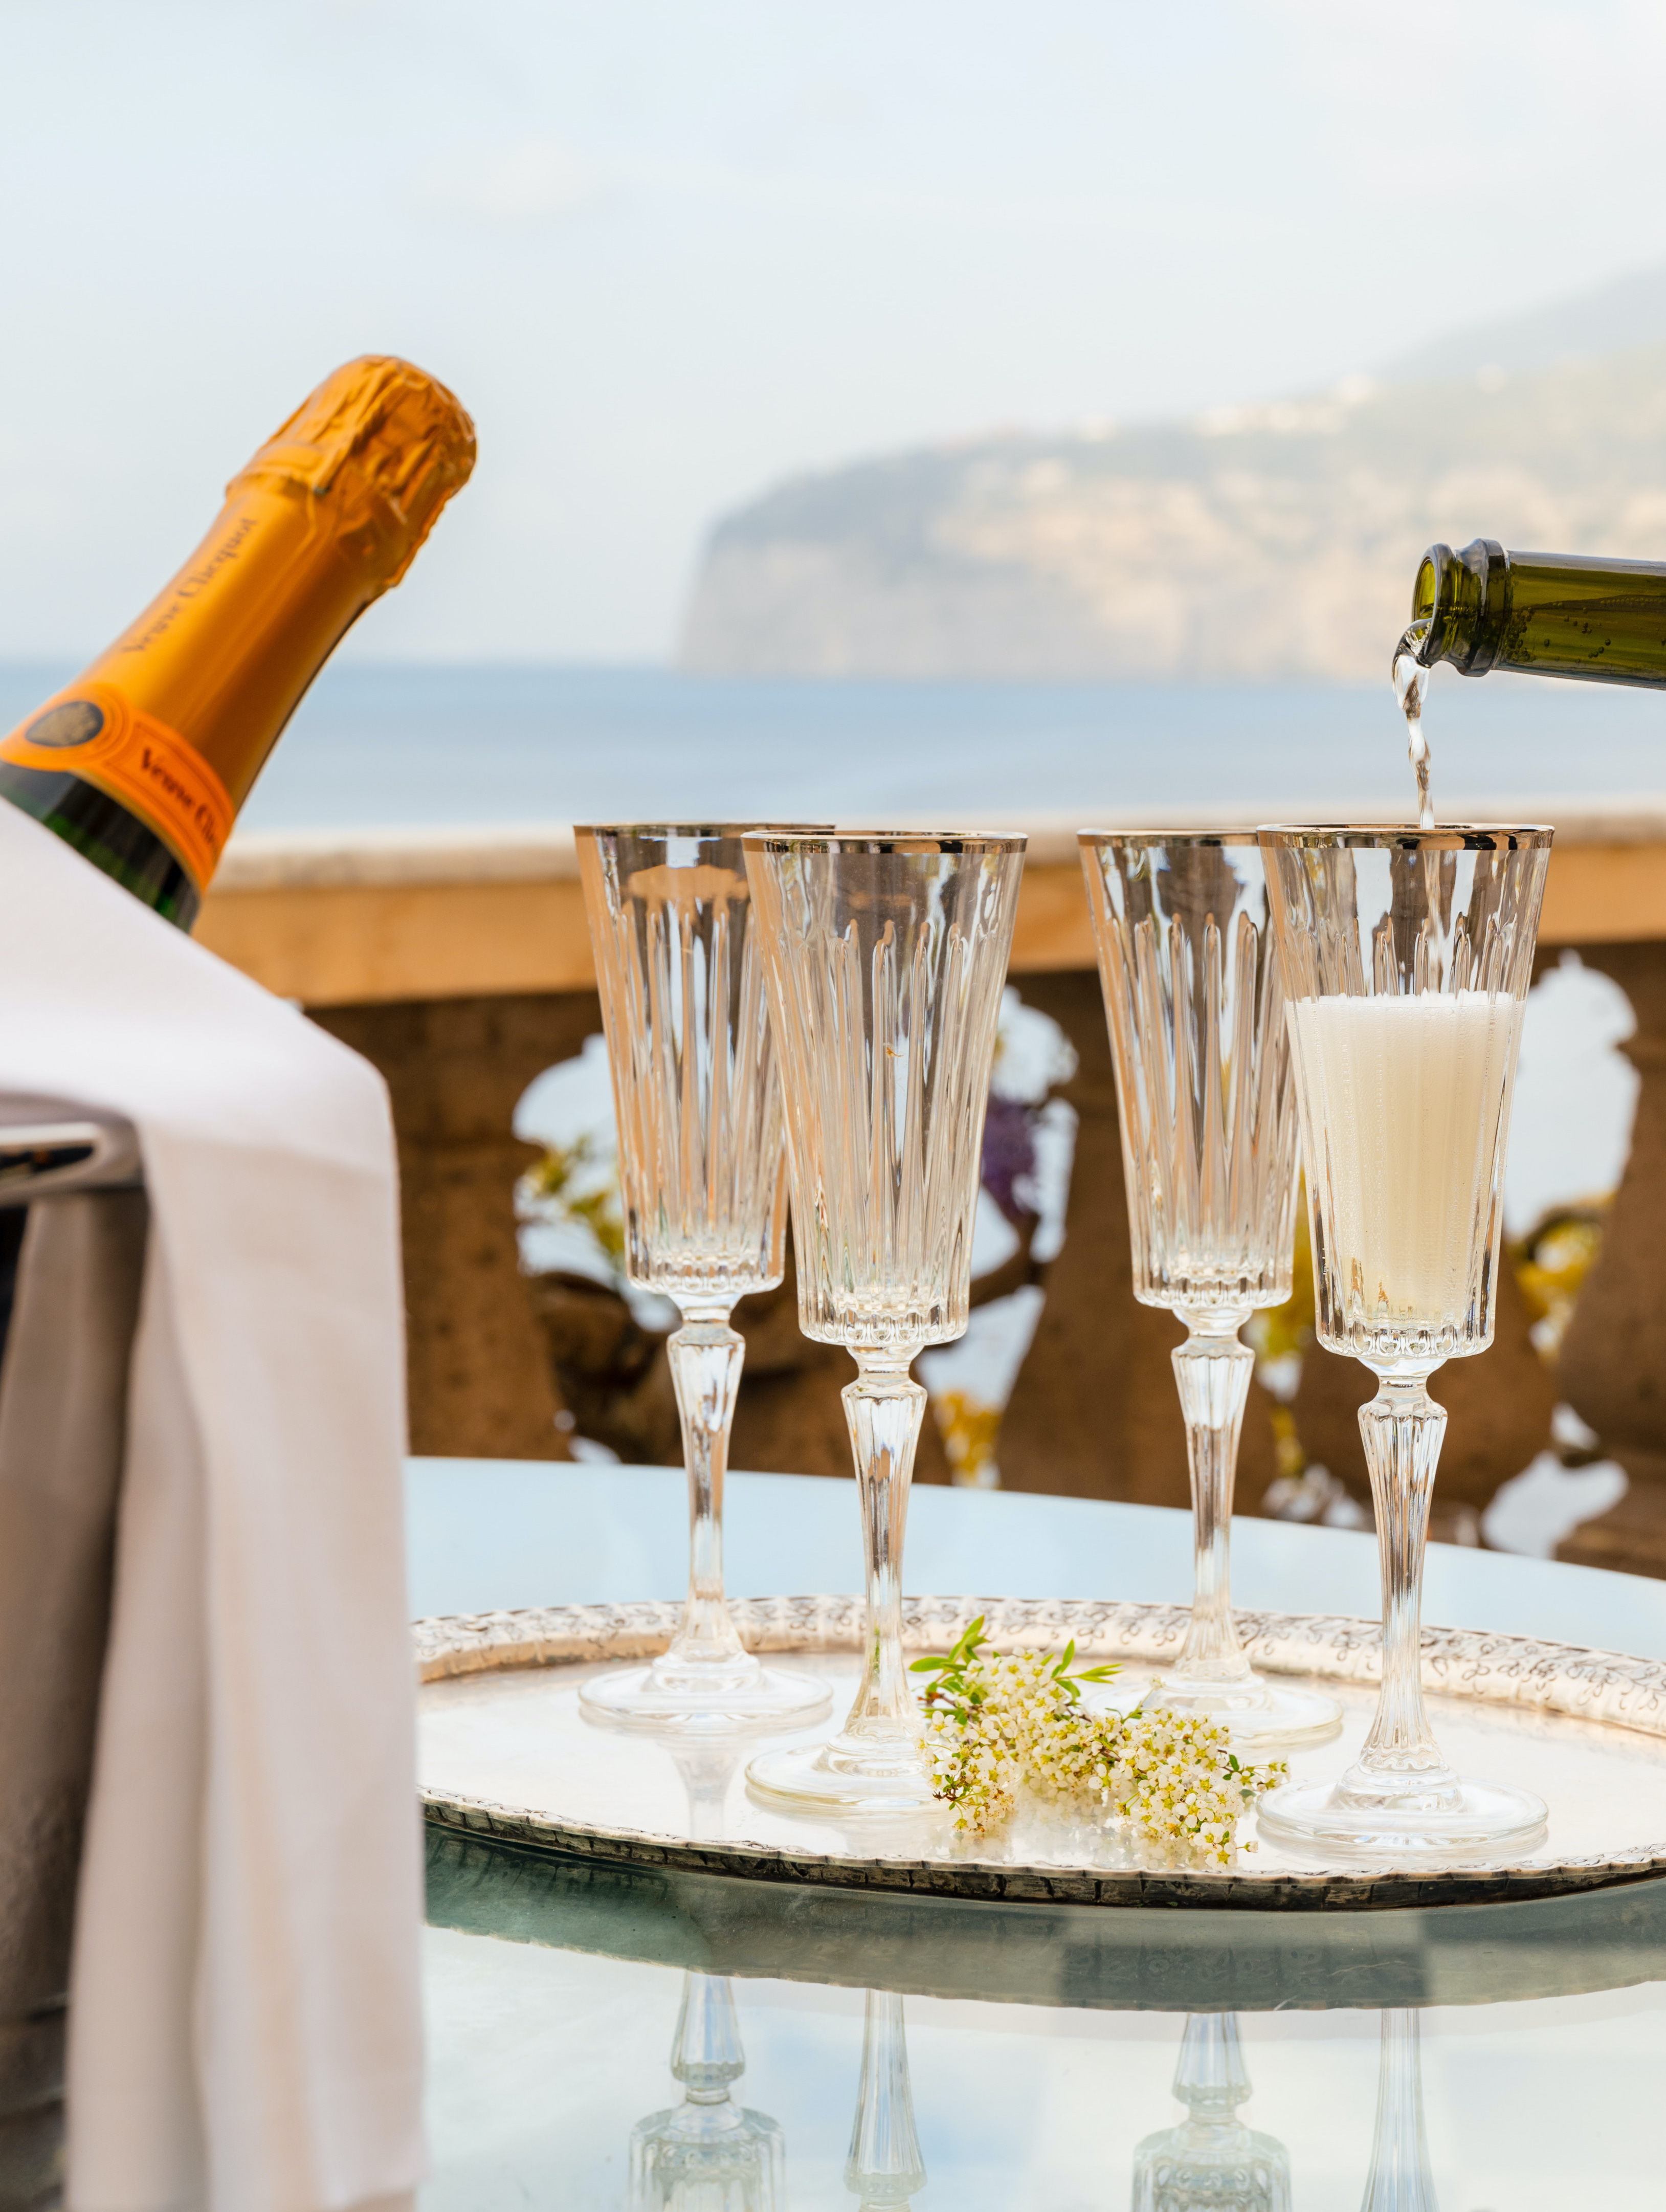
x=1582 y=615
x=1462 y=602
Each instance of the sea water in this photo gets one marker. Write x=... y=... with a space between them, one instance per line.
x=379 y=747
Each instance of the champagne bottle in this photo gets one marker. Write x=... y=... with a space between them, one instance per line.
x=1548 y=614
x=142 y=762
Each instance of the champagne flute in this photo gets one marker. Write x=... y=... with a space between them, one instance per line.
x=886 y=956
x=1207 y=1113
x=1406 y=957
x=701 y=1175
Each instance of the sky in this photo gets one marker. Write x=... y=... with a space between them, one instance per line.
x=668 y=251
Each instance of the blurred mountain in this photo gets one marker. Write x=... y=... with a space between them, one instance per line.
x=1630 y=312
x=1271 y=541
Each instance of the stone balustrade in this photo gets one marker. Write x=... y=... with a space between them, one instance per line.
x=460 y=962
x=368 y=917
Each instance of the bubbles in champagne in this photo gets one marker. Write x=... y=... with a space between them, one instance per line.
x=1410 y=678
x=1408 y=1095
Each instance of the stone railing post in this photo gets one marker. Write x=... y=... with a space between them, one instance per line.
x=1612 y=1366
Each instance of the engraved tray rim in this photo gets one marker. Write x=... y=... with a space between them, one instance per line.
x=1609 y=1687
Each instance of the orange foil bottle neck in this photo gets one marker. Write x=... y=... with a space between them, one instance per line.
x=192 y=697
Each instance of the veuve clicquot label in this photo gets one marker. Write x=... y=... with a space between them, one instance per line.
x=92 y=732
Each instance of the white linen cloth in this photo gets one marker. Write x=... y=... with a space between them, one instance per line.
x=245 y=2012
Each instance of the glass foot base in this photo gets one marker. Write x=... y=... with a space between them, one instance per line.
x=705 y=1699
x=846 y=1775
x=1266 y=1715
x=1463 y=1816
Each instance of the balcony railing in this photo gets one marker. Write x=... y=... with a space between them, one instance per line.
x=367 y=917
x=460 y=962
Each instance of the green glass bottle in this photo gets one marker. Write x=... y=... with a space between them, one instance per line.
x=1543 y=614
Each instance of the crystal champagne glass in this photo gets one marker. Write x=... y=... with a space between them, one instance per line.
x=886 y=954
x=1406 y=957
x=702 y=1179
x=1208 y=1111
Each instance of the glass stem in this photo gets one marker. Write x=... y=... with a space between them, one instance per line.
x=883 y=1408
x=707 y=1769
x=706 y=2055
x=706 y=1356
x=1211 y=2079
x=1400 y=2179
x=1402 y=1428
x=885 y=2167
x=1213 y=1369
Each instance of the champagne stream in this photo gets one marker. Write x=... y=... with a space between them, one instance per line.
x=1410 y=678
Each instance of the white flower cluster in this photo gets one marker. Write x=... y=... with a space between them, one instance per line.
x=997 y=1725
x=1176 y=1778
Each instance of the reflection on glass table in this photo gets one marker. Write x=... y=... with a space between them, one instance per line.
x=1484 y=2059
x=884 y=2169
x=1211 y=2162
x=708 y=2154
x=1400 y=2177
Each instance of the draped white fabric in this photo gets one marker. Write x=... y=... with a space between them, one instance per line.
x=244 y=2025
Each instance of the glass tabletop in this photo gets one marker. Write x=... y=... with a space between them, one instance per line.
x=932 y=2051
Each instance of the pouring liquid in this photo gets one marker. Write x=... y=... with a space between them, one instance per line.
x=1410 y=679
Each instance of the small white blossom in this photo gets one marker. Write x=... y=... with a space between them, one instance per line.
x=996 y=1725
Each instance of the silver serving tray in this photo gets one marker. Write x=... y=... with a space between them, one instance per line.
x=507 y=1754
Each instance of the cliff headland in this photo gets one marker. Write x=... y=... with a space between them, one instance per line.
x=1276 y=540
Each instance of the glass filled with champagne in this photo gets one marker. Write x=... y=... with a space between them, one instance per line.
x=1406 y=957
